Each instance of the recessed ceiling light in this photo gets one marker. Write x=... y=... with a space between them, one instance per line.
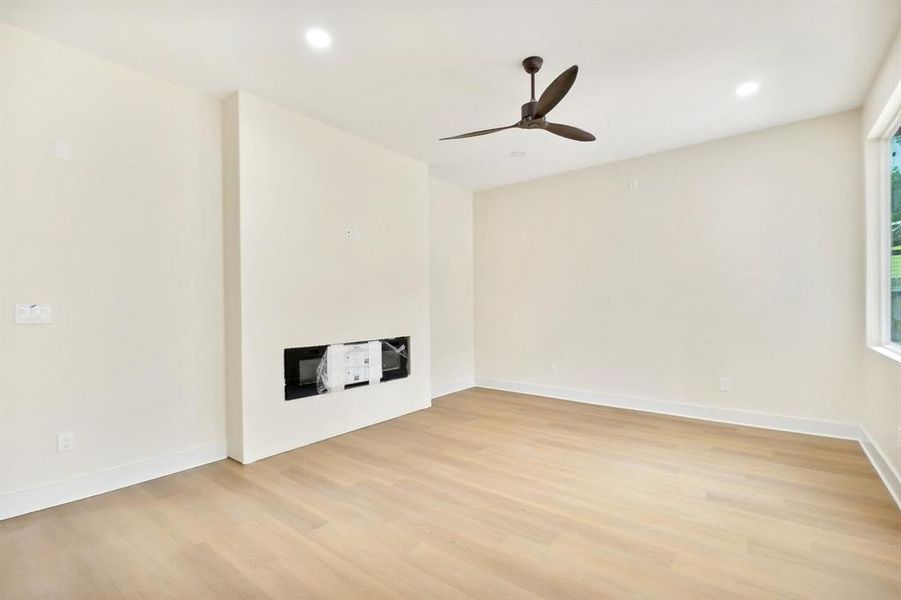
x=319 y=39
x=517 y=154
x=748 y=88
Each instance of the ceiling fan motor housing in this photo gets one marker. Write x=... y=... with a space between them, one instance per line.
x=529 y=108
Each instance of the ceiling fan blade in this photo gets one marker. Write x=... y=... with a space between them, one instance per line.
x=555 y=92
x=475 y=133
x=567 y=131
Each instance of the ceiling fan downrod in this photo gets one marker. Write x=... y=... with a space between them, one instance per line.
x=532 y=65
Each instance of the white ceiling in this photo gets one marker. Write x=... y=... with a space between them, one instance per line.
x=653 y=75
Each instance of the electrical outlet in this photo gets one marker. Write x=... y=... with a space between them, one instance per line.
x=65 y=442
x=632 y=185
x=61 y=150
x=352 y=234
x=725 y=384
x=555 y=368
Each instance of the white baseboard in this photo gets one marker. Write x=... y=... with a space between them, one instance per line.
x=272 y=447
x=890 y=477
x=443 y=389
x=848 y=431
x=17 y=503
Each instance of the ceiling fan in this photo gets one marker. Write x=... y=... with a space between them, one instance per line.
x=534 y=111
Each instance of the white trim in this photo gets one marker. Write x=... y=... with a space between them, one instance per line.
x=890 y=477
x=846 y=431
x=269 y=447
x=888 y=352
x=17 y=503
x=443 y=389
x=888 y=115
x=833 y=429
x=878 y=236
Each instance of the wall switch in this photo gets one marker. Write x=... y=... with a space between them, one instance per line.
x=555 y=368
x=725 y=384
x=23 y=314
x=41 y=314
x=899 y=436
x=65 y=442
x=632 y=185
x=33 y=314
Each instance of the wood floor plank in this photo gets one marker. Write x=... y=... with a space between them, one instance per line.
x=486 y=495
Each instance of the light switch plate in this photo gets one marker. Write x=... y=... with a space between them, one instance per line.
x=23 y=314
x=41 y=314
x=33 y=314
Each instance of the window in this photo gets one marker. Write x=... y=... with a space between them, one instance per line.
x=882 y=160
x=893 y=223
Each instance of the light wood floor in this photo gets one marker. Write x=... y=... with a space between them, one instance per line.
x=487 y=495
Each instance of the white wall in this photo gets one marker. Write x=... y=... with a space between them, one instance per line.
x=881 y=373
x=450 y=230
x=124 y=241
x=299 y=183
x=739 y=258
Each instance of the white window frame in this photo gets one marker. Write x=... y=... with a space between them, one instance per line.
x=884 y=343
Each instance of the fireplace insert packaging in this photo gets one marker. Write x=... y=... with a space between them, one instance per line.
x=313 y=370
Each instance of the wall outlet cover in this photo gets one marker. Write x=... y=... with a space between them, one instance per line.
x=65 y=442
x=61 y=150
